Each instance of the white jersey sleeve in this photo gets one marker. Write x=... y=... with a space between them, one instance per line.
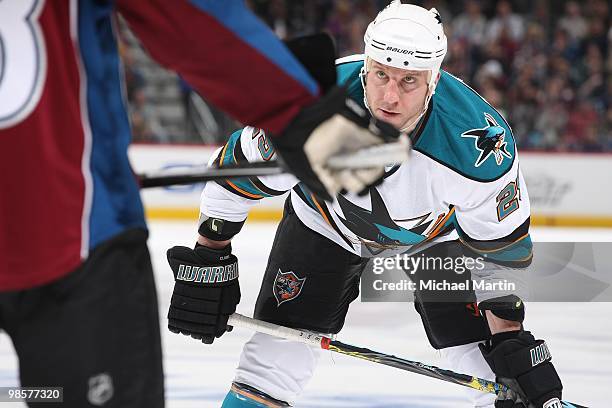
x=233 y=198
x=491 y=210
x=492 y=221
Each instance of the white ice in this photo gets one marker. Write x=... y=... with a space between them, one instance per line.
x=199 y=375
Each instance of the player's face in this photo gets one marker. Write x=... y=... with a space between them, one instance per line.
x=395 y=95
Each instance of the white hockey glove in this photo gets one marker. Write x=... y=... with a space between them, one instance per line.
x=332 y=126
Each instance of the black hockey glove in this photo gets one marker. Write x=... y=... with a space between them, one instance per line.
x=522 y=363
x=333 y=125
x=206 y=291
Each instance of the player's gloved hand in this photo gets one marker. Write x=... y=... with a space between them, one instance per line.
x=206 y=291
x=331 y=126
x=327 y=128
x=522 y=363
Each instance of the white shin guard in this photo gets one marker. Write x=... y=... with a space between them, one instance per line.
x=467 y=359
x=277 y=367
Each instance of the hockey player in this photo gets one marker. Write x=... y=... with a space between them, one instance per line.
x=77 y=295
x=461 y=192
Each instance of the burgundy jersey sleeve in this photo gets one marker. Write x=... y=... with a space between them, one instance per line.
x=227 y=55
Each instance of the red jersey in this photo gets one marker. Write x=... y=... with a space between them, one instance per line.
x=65 y=180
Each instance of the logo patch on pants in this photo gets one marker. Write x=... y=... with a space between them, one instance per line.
x=287 y=286
x=100 y=389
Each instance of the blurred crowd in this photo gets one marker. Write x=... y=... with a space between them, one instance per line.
x=545 y=64
x=548 y=69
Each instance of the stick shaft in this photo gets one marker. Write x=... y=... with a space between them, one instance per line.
x=303 y=336
x=200 y=175
x=378 y=155
x=327 y=343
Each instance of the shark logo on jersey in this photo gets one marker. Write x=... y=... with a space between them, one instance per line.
x=376 y=229
x=287 y=286
x=489 y=141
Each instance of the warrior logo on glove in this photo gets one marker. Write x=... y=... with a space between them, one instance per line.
x=287 y=286
x=539 y=354
x=207 y=274
x=553 y=403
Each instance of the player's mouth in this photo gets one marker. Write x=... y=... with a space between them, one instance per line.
x=387 y=114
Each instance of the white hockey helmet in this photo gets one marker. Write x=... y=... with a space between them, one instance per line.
x=408 y=37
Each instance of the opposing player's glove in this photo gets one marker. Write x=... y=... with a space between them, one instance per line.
x=206 y=291
x=522 y=363
x=331 y=126
x=328 y=128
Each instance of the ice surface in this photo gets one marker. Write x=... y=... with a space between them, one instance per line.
x=199 y=375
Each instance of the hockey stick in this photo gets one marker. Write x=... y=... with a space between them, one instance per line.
x=326 y=343
x=383 y=154
x=202 y=174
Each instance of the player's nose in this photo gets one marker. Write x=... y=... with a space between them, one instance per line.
x=391 y=94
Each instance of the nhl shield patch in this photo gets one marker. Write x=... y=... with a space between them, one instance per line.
x=287 y=286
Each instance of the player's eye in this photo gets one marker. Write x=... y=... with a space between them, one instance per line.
x=409 y=79
x=381 y=74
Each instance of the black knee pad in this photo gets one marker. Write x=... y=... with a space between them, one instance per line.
x=450 y=317
x=509 y=307
x=449 y=324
